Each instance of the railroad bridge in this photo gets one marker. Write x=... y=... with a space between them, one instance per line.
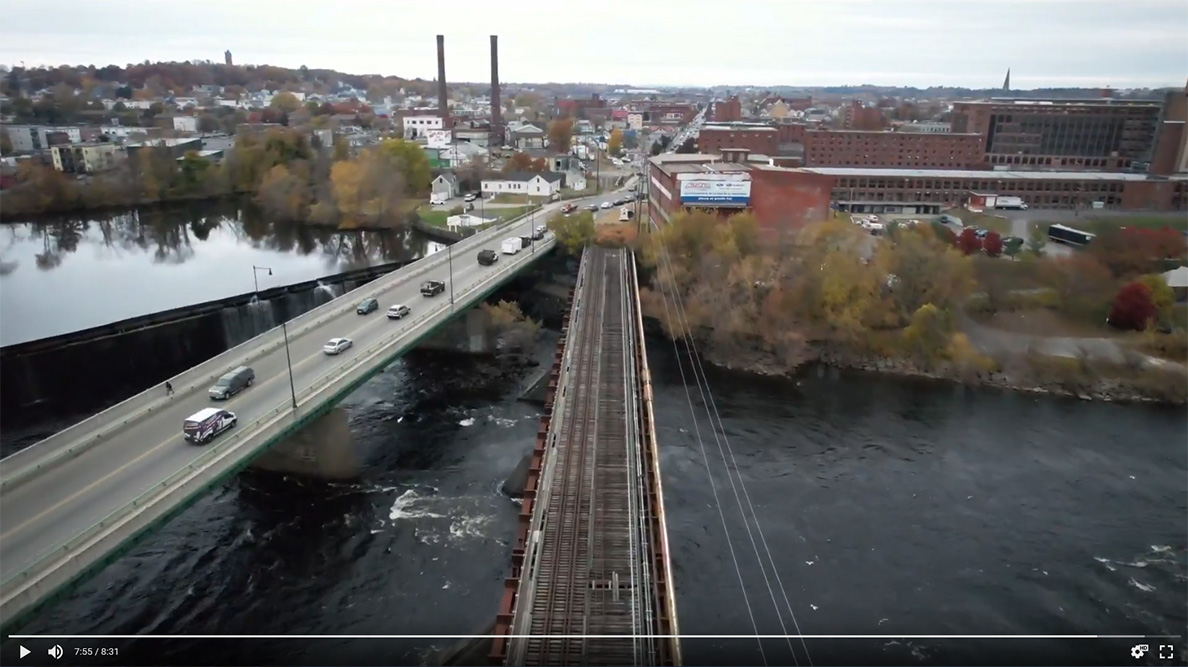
x=591 y=582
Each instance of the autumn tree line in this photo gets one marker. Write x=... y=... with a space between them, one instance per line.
x=290 y=175
x=831 y=291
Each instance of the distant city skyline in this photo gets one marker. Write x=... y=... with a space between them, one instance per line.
x=762 y=43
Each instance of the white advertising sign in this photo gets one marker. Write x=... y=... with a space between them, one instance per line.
x=704 y=190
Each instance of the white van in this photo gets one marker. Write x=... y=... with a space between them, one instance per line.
x=437 y=198
x=205 y=424
x=511 y=246
x=625 y=214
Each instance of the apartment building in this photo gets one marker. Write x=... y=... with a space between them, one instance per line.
x=931 y=191
x=757 y=137
x=86 y=158
x=1100 y=135
x=921 y=150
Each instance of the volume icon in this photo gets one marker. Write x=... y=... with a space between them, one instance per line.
x=55 y=652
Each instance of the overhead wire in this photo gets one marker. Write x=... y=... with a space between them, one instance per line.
x=706 y=393
x=714 y=489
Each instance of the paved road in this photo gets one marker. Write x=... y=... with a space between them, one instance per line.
x=48 y=510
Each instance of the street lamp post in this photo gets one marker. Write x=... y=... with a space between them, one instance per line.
x=284 y=331
x=450 y=260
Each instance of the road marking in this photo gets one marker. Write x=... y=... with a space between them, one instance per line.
x=370 y=323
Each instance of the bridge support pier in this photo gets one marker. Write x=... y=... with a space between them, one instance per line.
x=471 y=332
x=323 y=449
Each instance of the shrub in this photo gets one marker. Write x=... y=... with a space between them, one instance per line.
x=993 y=244
x=968 y=242
x=1172 y=346
x=1162 y=296
x=1133 y=308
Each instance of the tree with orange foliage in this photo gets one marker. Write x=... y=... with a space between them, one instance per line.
x=968 y=242
x=561 y=134
x=520 y=162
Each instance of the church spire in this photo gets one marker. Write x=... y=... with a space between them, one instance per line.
x=1006 y=83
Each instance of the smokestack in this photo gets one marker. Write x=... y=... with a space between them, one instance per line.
x=442 y=106
x=496 y=106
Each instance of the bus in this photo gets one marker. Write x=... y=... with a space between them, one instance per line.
x=1069 y=235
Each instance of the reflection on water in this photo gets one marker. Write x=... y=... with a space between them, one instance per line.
x=64 y=274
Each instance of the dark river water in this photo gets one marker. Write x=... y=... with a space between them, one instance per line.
x=888 y=507
x=64 y=274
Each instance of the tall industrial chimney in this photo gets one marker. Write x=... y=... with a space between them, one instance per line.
x=496 y=134
x=442 y=106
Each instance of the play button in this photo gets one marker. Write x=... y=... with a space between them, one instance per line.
x=25 y=651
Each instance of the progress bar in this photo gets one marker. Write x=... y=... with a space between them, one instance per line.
x=174 y=637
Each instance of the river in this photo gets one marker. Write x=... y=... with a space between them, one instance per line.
x=890 y=507
x=68 y=273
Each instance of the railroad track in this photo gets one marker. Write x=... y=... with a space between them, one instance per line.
x=591 y=570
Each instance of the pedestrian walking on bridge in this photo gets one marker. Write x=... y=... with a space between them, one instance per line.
x=168 y=389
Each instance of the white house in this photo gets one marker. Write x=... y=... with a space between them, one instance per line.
x=461 y=154
x=525 y=135
x=575 y=180
x=185 y=123
x=524 y=183
x=456 y=222
x=417 y=126
x=446 y=184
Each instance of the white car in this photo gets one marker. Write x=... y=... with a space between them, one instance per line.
x=337 y=345
x=606 y=204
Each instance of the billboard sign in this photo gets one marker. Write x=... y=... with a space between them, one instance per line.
x=705 y=190
x=438 y=138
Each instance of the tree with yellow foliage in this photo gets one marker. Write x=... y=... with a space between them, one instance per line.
x=614 y=144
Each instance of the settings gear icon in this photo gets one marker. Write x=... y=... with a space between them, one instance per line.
x=1139 y=651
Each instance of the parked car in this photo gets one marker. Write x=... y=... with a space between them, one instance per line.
x=367 y=306
x=232 y=383
x=432 y=287
x=337 y=345
x=592 y=207
x=606 y=205
x=470 y=196
x=202 y=426
x=981 y=233
x=487 y=257
x=398 y=312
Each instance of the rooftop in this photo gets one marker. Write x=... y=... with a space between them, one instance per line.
x=979 y=174
x=525 y=176
x=726 y=127
x=169 y=142
x=1096 y=101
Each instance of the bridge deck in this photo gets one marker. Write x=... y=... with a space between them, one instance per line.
x=69 y=503
x=590 y=563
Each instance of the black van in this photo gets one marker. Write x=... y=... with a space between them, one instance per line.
x=232 y=383
x=488 y=257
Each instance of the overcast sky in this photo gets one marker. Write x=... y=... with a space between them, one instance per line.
x=1117 y=43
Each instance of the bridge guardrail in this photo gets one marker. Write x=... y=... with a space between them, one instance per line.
x=232 y=440
x=416 y=329
x=140 y=500
x=66 y=444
